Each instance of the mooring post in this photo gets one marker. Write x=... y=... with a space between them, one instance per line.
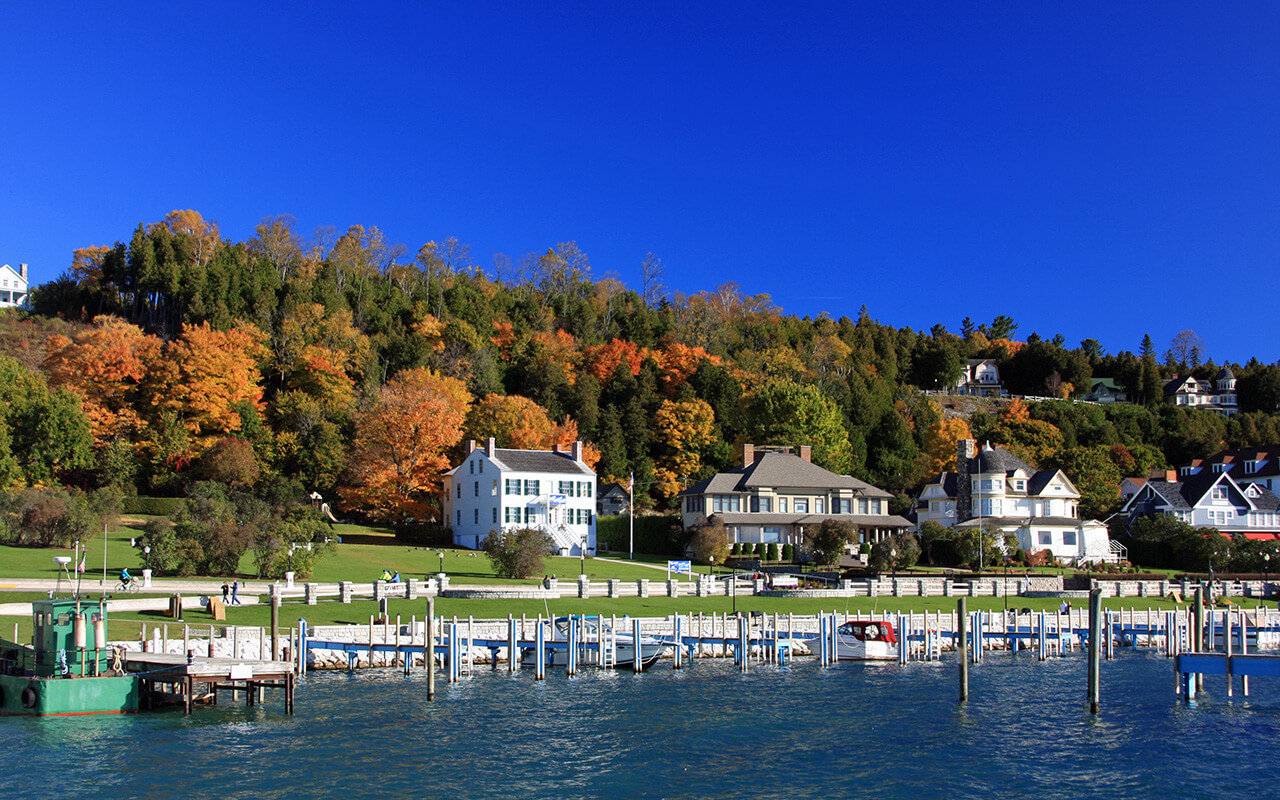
x=1197 y=636
x=962 y=646
x=275 y=625
x=513 y=652
x=637 y=659
x=429 y=648
x=540 y=663
x=1095 y=648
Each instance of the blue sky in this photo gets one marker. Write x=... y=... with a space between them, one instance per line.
x=1099 y=170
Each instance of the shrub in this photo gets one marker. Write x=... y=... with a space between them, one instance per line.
x=709 y=541
x=827 y=541
x=517 y=553
x=788 y=553
x=735 y=549
x=772 y=552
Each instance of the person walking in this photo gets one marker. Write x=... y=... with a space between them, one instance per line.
x=226 y=591
x=235 y=587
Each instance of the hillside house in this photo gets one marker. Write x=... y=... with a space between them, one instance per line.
x=775 y=494
x=995 y=489
x=497 y=488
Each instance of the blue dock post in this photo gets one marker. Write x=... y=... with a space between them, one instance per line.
x=637 y=659
x=429 y=649
x=675 y=636
x=540 y=661
x=962 y=646
x=513 y=652
x=571 y=633
x=1095 y=649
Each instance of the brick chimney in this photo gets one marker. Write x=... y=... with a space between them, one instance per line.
x=22 y=272
x=555 y=448
x=471 y=446
x=577 y=451
x=748 y=455
x=806 y=452
x=966 y=449
x=490 y=446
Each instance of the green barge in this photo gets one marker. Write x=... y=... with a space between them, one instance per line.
x=68 y=668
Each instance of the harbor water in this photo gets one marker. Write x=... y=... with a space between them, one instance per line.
x=707 y=731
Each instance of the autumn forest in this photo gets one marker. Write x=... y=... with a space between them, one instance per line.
x=344 y=364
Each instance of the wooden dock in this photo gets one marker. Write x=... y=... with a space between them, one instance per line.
x=168 y=676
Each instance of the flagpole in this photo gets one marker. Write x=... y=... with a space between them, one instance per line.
x=631 y=517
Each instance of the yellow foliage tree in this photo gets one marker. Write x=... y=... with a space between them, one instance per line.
x=683 y=427
x=941 y=441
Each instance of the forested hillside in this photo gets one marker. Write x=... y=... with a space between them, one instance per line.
x=344 y=364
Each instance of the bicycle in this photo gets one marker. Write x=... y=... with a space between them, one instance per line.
x=131 y=587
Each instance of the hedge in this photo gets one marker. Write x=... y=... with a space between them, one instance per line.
x=653 y=534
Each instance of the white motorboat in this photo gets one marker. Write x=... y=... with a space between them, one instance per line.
x=603 y=646
x=862 y=640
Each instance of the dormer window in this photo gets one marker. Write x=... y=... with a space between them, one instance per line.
x=1219 y=493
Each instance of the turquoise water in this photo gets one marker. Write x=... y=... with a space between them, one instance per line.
x=852 y=730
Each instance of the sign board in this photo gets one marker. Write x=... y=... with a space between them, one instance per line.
x=685 y=567
x=241 y=672
x=785 y=582
x=559 y=499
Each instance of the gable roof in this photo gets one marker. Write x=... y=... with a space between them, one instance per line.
x=773 y=470
x=531 y=461
x=539 y=461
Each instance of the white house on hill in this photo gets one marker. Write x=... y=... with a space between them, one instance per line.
x=13 y=286
x=995 y=489
x=497 y=488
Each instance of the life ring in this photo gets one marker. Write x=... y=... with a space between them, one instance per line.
x=29 y=697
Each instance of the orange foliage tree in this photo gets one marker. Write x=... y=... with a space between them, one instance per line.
x=106 y=364
x=941 y=441
x=679 y=361
x=207 y=375
x=602 y=360
x=401 y=445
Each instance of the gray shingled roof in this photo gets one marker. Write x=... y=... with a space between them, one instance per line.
x=872 y=520
x=782 y=471
x=998 y=459
x=539 y=461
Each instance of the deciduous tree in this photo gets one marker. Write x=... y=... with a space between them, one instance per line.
x=401 y=443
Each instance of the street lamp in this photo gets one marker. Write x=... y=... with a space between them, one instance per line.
x=1266 y=568
x=893 y=563
x=442 y=561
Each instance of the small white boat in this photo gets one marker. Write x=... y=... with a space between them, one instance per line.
x=605 y=647
x=862 y=640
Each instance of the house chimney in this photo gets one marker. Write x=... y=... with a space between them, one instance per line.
x=471 y=446
x=1171 y=475
x=490 y=446
x=555 y=448
x=577 y=451
x=22 y=272
x=748 y=455
x=965 y=451
x=806 y=452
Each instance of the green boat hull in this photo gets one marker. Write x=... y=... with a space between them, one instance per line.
x=43 y=697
